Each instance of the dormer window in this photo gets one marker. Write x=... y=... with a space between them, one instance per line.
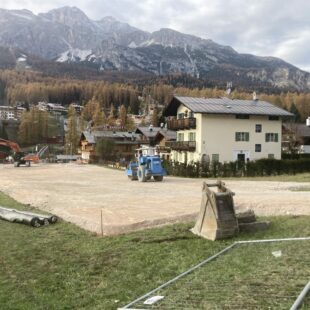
x=180 y=115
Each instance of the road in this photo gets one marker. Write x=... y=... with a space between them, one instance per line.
x=80 y=193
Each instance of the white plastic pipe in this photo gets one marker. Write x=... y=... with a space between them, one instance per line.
x=301 y=297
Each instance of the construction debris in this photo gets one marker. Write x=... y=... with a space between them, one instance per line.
x=247 y=216
x=28 y=218
x=277 y=253
x=217 y=218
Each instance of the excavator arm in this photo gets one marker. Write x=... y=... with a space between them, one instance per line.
x=7 y=148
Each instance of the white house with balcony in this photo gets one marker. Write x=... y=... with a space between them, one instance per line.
x=224 y=129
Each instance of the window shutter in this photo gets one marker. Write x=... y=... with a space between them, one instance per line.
x=236 y=136
x=247 y=136
x=266 y=137
x=276 y=137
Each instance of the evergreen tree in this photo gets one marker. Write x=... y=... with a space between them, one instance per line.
x=90 y=109
x=105 y=149
x=143 y=124
x=111 y=118
x=72 y=136
x=33 y=127
x=294 y=110
x=3 y=133
x=123 y=115
x=24 y=134
x=155 y=117
x=99 y=117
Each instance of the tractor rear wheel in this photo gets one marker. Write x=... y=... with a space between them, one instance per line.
x=141 y=174
x=158 y=178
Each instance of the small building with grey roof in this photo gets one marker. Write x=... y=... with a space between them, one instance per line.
x=122 y=144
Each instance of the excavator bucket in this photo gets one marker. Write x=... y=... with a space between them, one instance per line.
x=217 y=218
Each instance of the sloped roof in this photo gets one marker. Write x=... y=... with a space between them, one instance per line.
x=93 y=136
x=225 y=106
x=301 y=129
x=168 y=134
x=149 y=132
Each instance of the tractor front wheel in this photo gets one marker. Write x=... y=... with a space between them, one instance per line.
x=158 y=178
x=141 y=174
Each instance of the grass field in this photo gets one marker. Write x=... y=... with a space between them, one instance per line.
x=64 y=267
x=299 y=177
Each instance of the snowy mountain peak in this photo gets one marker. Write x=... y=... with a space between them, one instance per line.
x=69 y=16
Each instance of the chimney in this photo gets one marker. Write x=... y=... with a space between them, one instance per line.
x=254 y=96
x=308 y=121
x=228 y=88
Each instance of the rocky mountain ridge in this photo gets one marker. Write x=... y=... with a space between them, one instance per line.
x=68 y=35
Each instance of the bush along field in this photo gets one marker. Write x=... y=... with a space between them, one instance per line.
x=64 y=267
x=261 y=167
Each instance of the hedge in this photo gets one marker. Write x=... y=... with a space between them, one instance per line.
x=262 y=167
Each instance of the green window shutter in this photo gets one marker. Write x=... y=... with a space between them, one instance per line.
x=247 y=136
x=236 y=136
x=276 y=137
x=266 y=137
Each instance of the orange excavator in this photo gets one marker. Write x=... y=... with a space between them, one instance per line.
x=9 y=148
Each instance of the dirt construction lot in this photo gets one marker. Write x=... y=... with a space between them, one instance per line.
x=79 y=193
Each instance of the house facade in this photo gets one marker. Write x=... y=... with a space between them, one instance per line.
x=124 y=144
x=222 y=129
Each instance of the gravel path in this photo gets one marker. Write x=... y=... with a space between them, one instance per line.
x=79 y=193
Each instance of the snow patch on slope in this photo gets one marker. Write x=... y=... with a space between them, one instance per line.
x=20 y=14
x=132 y=44
x=74 y=54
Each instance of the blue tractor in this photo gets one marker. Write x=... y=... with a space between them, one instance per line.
x=147 y=165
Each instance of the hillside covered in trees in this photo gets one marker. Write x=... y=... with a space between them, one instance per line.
x=30 y=88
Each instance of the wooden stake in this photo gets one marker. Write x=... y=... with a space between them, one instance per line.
x=101 y=225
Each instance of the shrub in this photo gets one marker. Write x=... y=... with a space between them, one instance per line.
x=261 y=167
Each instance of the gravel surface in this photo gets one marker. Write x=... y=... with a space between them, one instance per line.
x=81 y=193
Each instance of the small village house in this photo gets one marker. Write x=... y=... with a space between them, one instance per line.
x=124 y=144
x=223 y=129
x=296 y=137
x=159 y=137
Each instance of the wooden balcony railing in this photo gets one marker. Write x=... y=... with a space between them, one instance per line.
x=184 y=123
x=182 y=145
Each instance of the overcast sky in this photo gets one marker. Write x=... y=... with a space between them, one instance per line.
x=278 y=28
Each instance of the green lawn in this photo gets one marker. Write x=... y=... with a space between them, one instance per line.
x=64 y=267
x=299 y=177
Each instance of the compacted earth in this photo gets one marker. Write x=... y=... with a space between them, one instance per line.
x=104 y=200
